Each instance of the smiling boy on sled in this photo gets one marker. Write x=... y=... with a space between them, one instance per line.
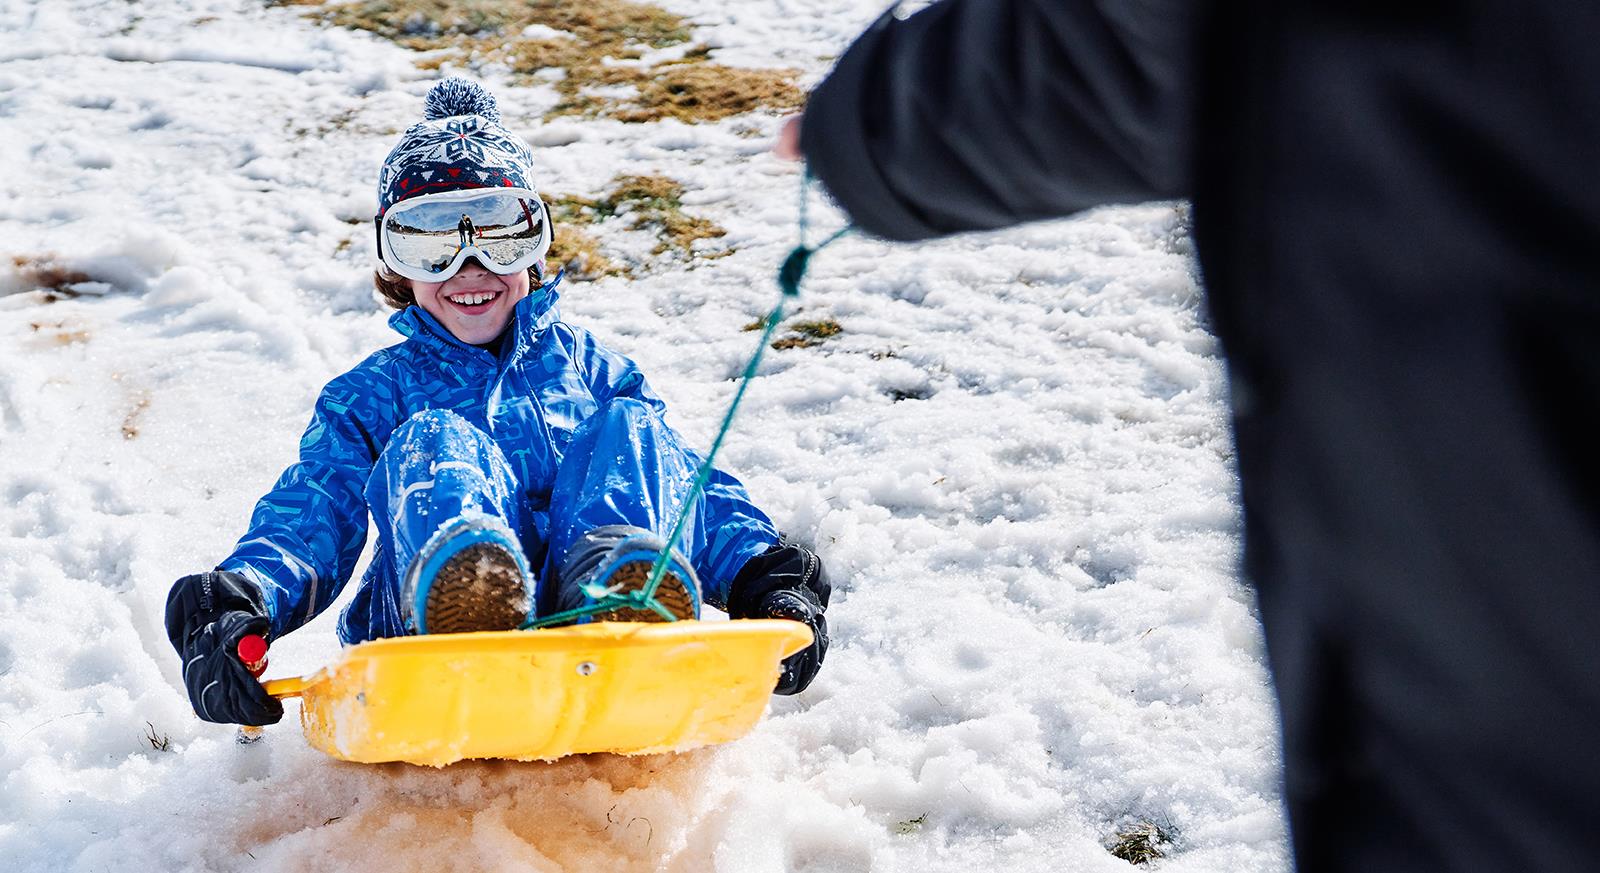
x=512 y=465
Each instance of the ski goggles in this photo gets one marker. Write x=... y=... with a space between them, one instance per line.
x=428 y=238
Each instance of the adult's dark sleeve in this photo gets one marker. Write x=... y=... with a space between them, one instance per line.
x=978 y=114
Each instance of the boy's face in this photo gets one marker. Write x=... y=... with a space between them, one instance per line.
x=474 y=304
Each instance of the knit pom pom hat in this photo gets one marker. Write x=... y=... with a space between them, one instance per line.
x=459 y=144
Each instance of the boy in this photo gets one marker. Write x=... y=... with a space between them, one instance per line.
x=510 y=462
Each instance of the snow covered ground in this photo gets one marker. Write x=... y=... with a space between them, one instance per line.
x=1014 y=457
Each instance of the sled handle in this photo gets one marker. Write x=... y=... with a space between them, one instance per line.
x=293 y=686
x=252 y=652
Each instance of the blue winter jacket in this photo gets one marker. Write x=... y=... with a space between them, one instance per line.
x=306 y=535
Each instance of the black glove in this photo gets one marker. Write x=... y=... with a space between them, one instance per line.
x=799 y=605
x=787 y=581
x=207 y=615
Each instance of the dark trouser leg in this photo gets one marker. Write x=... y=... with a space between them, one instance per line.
x=1427 y=550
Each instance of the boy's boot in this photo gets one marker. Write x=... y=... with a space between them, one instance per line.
x=617 y=558
x=470 y=576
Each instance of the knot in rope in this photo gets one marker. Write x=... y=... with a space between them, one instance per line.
x=793 y=270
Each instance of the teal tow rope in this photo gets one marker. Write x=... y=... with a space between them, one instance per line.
x=789 y=276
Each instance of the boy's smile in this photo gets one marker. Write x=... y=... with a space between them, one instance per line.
x=474 y=305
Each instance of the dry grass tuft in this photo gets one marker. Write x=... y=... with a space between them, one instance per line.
x=655 y=204
x=654 y=193
x=59 y=333
x=1141 y=843
x=911 y=825
x=598 y=33
x=651 y=203
x=431 y=25
x=43 y=273
x=805 y=334
x=158 y=741
x=691 y=93
x=578 y=252
x=130 y=422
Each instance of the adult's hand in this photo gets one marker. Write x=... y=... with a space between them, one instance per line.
x=787 y=146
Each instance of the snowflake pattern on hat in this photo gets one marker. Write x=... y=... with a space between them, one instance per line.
x=447 y=154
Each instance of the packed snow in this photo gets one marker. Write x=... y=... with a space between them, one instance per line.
x=1014 y=457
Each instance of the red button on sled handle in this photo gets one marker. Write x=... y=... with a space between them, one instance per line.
x=253 y=652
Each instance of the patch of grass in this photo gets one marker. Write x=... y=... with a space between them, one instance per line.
x=346 y=119
x=607 y=26
x=654 y=194
x=691 y=93
x=1141 y=843
x=158 y=741
x=424 y=25
x=579 y=254
x=60 y=332
x=900 y=394
x=43 y=273
x=805 y=334
x=567 y=209
x=130 y=422
x=911 y=825
x=478 y=32
x=651 y=203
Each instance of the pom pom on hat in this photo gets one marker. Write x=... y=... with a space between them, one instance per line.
x=457 y=96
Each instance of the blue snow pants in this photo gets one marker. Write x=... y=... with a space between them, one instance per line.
x=623 y=465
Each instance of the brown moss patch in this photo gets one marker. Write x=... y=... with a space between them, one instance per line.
x=130 y=422
x=476 y=32
x=1140 y=843
x=650 y=203
x=578 y=252
x=691 y=93
x=805 y=334
x=655 y=204
x=59 y=333
x=44 y=273
x=431 y=25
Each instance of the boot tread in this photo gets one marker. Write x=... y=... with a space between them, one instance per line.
x=479 y=588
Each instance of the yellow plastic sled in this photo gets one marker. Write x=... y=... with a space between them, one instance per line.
x=623 y=687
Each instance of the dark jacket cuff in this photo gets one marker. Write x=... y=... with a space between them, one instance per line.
x=834 y=138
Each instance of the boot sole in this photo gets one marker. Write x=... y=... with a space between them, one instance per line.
x=478 y=589
x=672 y=593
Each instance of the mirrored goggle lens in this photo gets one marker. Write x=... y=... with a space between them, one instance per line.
x=428 y=234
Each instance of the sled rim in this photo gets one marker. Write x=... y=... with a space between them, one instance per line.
x=621 y=687
x=601 y=636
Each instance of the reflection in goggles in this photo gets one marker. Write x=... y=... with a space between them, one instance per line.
x=428 y=234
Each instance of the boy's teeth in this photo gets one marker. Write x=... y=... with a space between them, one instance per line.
x=471 y=299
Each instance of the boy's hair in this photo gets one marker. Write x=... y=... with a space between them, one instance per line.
x=395 y=289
